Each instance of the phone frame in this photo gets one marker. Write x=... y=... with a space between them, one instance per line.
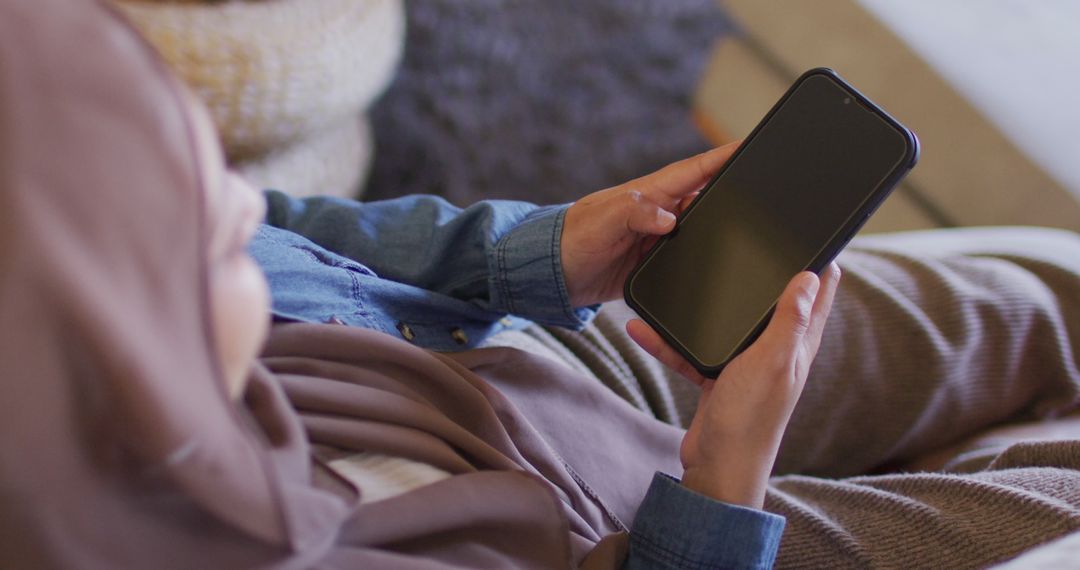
x=825 y=255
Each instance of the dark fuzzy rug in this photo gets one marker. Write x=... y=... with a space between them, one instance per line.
x=540 y=100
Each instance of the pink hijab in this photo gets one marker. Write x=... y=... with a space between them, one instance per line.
x=119 y=446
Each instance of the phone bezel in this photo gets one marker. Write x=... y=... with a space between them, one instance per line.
x=827 y=253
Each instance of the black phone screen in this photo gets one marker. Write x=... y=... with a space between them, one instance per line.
x=798 y=181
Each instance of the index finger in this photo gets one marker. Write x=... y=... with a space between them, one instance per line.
x=681 y=178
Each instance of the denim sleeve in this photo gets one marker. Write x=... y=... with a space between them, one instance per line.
x=500 y=256
x=678 y=528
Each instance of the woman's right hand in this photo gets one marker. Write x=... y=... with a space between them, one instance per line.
x=730 y=447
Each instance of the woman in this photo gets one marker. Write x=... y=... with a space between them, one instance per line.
x=139 y=430
x=140 y=441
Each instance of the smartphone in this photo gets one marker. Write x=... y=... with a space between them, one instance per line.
x=797 y=189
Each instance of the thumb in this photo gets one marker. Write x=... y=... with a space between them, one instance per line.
x=644 y=216
x=791 y=318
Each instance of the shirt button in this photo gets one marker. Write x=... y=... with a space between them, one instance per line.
x=506 y=321
x=406 y=331
x=459 y=336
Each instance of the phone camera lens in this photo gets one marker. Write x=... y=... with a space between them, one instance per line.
x=847 y=100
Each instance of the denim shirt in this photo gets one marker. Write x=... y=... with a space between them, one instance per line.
x=447 y=278
x=416 y=267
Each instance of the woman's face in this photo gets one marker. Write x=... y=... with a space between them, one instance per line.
x=239 y=296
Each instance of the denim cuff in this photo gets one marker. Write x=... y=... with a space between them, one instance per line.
x=528 y=279
x=679 y=528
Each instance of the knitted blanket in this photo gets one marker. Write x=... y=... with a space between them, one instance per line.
x=934 y=338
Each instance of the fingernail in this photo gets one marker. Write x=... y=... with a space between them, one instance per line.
x=664 y=217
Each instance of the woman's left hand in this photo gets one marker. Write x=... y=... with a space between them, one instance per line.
x=730 y=446
x=606 y=234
